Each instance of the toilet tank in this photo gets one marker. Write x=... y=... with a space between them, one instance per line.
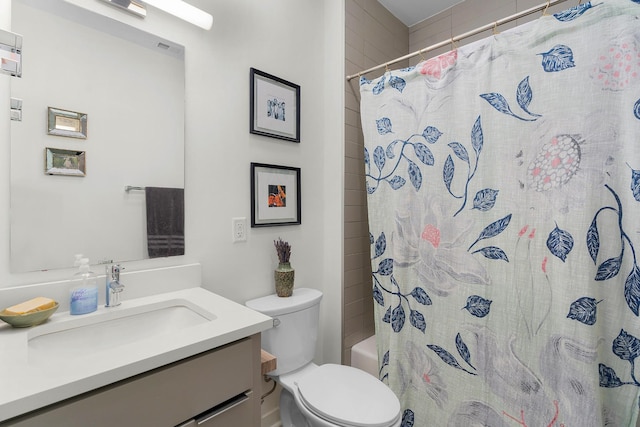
x=292 y=340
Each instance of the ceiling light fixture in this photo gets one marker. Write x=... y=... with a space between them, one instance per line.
x=184 y=11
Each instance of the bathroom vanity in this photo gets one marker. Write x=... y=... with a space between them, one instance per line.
x=172 y=354
x=216 y=388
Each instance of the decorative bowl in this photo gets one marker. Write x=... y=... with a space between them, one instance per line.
x=28 y=319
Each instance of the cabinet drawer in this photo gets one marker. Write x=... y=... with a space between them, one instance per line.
x=163 y=397
x=235 y=412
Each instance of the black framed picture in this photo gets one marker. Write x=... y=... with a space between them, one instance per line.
x=275 y=195
x=275 y=107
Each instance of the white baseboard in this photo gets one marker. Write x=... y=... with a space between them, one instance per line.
x=271 y=418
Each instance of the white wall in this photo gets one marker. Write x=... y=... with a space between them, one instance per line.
x=297 y=40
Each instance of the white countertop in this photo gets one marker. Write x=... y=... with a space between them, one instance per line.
x=27 y=386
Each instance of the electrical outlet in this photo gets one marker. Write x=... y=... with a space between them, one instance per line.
x=239 y=229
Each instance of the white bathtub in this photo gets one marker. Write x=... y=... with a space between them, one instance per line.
x=364 y=355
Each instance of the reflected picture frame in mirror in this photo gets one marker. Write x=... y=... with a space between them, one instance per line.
x=65 y=162
x=66 y=123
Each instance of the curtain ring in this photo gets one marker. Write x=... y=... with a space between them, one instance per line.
x=454 y=46
x=386 y=68
x=495 y=28
x=546 y=8
x=422 y=59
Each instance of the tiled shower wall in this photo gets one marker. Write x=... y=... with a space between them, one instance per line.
x=468 y=15
x=374 y=36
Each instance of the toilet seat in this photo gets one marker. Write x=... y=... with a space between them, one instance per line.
x=348 y=397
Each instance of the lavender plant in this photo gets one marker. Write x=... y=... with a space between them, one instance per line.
x=283 y=250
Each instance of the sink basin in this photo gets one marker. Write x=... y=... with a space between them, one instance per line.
x=162 y=320
x=112 y=327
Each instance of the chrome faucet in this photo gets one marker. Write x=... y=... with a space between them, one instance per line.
x=113 y=285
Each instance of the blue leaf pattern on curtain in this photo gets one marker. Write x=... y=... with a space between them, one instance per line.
x=478 y=306
x=448 y=358
x=524 y=96
x=364 y=81
x=407 y=418
x=485 y=199
x=626 y=346
x=584 y=310
x=608 y=377
x=421 y=296
x=503 y=183
x=463 y=350
x=397 y=83
x=379 y=87
x=492 y=252
x=380 y=155
x=384 y=126
x=632 y=290
x=573 y=13
x=432 y=134
x=558 y=58
x=635 y=183
x=560 y=243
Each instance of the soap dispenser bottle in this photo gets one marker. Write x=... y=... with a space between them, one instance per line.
x=84 y=294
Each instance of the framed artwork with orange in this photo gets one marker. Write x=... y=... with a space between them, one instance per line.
x=275 y=195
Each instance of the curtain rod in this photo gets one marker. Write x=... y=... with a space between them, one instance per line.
x=478 y=30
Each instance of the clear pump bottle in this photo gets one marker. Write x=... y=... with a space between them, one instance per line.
x=84 y=294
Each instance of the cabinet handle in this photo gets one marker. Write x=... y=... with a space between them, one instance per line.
x=230 y=404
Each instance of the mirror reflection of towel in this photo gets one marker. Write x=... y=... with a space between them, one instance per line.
x=165 y=221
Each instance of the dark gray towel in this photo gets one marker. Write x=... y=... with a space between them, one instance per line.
x=165 y=221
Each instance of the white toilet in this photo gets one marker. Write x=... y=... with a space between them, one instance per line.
x=319 y=396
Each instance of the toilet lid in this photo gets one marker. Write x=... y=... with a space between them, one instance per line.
x=348 y=396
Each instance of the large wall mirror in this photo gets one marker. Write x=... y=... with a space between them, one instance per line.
x=130 y=85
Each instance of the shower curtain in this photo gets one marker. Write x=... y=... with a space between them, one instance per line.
x=503 y=183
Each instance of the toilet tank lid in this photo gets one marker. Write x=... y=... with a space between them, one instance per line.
x=273 y=305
